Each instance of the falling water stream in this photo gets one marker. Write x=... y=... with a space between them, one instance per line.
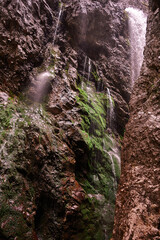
x=58 y=21
x=137 y=21
x=89 y=68
x=110 y=112
x=43 y=81
x=87 y=61
x=84 y=67
x=114 y=173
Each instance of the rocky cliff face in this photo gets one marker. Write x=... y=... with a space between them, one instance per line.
x=26 y=28
x=63 y=109
x=137 y=210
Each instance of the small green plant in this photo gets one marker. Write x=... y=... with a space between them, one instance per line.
x=125 y=15
x=80 y=77
x=128 y=42
x=95 y=75
x=6 y=113
x=109 y=103
x=67 y=69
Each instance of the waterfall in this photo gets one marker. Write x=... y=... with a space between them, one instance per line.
x=137 y=30
x=89 y=68
x=58 y=20
x=113 y=154
x=43 y=81
x=110 y=112
x=114 y=173
x=84 y=67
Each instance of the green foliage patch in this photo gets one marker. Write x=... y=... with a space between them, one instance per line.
x=99 y=178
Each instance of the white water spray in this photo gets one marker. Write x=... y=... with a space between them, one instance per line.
x=89 y=68
x=137 y=31
x=84 y=67
x=110 y=112
x=87 y=61
x=114 y=156
x=83 y=74
x=114 y=173
x=43 y=81
x=58 y=21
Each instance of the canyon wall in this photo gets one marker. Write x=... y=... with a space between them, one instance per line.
x=137 y=208
x=64 y=106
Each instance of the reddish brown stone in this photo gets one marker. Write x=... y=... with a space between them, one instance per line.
x=138 y=199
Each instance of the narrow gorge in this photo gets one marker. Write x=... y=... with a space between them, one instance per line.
x=79 y=120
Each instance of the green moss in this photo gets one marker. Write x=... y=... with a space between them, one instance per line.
x=99 y=234
x=99 y=180
x=6 y=114
x=89 y=221
x=97 y=143
x=98 y=133
x=5 y=210
x=117 y=168
x=87 y=139
x=22 y=128
x=93 y=111
x=88 y=187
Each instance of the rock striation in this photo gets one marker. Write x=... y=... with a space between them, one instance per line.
x=137 y=207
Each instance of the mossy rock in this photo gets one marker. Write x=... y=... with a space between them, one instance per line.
x=99 y=180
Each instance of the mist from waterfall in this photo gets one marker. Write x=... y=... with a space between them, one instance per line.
x=137 y=21
x=43 y=81
x=84 y=67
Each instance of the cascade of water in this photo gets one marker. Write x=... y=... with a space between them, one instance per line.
x=114 y=172
x=58 y=20
x=89 y=68
x=110 y=112
x=84 y=67
x=42 y=85
x=137 y=30
x=83 y=74
x=111 y=154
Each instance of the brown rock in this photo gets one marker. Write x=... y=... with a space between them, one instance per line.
x=138 y=206
x=55 y=109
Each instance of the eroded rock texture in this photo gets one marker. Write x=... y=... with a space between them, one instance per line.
x=137 y=211
x=26 y=28
x=59 y=162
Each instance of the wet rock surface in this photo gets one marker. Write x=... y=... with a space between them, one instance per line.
x=99 y=29
x=137 y=210
x=26 y=28
x=60 y=160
